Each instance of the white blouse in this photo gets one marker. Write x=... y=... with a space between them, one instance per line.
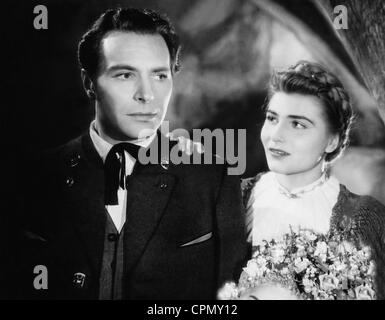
x=275 y=210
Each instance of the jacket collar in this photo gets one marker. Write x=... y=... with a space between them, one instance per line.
x=160 y=140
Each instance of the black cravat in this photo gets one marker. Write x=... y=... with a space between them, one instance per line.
x=115 y=170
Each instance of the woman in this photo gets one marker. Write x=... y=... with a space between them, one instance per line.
x=308 y=119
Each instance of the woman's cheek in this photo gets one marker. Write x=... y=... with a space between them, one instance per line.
x=264 y=135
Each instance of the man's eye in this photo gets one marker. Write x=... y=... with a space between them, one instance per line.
x=161 y=76
x=298 y=125
x=125 y=75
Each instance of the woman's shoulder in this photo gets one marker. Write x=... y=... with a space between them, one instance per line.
x=248 y=184
x=362 y=212
x=360 y=204
x=363 y=217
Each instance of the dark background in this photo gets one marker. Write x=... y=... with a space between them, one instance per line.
x=230 y=48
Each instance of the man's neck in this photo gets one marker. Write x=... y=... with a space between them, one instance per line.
x=141 y=141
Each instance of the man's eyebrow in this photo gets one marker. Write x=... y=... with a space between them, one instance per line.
x=121 y=67
x=161 y=69
x=131 y=68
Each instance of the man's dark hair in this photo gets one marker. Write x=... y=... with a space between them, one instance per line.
x=141 y=21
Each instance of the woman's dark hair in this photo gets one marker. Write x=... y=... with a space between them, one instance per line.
x=141 y=21
x=310 y=78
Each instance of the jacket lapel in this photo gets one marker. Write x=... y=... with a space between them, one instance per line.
x=148 y=192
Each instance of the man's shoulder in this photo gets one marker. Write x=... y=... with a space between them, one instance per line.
x=72 y=145
x=66 y=153
x=187 y=156
x=205 y=166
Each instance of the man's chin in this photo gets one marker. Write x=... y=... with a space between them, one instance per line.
x=141 y=133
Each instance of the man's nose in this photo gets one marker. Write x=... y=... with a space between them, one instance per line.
x=144 y=92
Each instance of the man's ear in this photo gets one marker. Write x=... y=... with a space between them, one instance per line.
x=333 y=144
x=88 y=85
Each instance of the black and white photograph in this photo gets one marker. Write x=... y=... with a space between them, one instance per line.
x=193 y=150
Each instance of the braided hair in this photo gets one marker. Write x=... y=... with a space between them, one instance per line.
x=310 y=78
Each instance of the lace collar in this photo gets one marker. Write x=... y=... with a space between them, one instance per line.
x=298 y=192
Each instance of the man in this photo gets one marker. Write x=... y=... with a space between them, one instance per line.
x=110 y=227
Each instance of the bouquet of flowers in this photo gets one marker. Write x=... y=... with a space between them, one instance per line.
x=309 y=265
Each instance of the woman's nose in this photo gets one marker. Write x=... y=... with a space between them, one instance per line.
x=278 y=133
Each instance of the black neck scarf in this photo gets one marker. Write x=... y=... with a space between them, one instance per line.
x=115 y=170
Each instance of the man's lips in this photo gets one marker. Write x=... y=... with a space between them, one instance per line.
x=143 y=116
x=278 y=152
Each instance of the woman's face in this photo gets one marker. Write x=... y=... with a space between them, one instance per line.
x=295 y=135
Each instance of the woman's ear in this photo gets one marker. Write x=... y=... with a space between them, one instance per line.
x=333 y=144
x=88 y=85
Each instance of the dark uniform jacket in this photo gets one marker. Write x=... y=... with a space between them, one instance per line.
x=184 y=234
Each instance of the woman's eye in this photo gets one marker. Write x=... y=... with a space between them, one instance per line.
x=298 y=125
x=270 y=118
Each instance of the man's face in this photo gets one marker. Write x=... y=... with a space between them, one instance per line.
x=133 y=86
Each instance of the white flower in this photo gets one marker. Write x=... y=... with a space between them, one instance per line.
x=308 y=285
x=269 y=291
x=321 y=248
x=367 y=249
x=353 y=271
x=328 y=282
x=309 y=236
x=254 y=269
x=364 y=292
x=312 y=270
x=300 y=250
x=278 y=254
x=228 y=291
x=256 y=253
x=372 y=268
x=300 y=264
x=339 y=265
x=285 y=271
x=345 y=247
x=261 y=261
x=365 y=253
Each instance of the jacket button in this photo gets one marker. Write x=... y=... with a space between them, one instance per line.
x=163 y=185
x=164 y=163
x=70 y=182
x=74 y=160
x=79 y=279
x=112 y=237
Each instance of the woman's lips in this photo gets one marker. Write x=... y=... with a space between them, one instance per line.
x=278 y=152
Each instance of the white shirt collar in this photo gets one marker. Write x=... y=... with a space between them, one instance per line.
x=103 y=147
